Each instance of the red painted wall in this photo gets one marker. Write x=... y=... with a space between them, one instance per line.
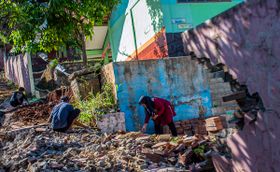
x=246 y=39
x=155 y=48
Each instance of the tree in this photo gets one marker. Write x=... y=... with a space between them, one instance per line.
x=46 y=25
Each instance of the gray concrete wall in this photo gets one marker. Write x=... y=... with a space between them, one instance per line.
x=1 y=59
x=246 y=39
x=16 y=70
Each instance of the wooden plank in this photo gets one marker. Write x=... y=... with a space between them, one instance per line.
x=234 y=96
x=27 y=128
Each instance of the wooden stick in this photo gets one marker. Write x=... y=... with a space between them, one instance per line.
x=26 y=128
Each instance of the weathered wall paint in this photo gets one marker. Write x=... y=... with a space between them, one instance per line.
x=179 y=80
x=247 y=40
x=16 y=70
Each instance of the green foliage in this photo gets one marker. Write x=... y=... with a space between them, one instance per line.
x=200 y=150
x=48 y=25
x=11 y=84
x=94 y=106
x=174 y=139
x=54 y=63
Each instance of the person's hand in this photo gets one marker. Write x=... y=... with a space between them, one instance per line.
x=144 y=128
x=155 y=117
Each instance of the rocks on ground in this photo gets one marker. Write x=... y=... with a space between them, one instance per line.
x=87 y=150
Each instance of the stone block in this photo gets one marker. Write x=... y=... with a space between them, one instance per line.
x=214 y=124
x=111 y=123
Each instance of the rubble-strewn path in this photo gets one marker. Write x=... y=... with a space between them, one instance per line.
x=25 y=147
x=87 y=150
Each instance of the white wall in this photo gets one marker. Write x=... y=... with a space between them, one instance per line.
x=98 y=38
x=144 y=29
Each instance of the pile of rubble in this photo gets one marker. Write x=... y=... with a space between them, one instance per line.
x=34 y=113
x=41 y=149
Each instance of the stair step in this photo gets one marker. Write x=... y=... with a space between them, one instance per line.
x=216 y=80
x=219 y=102
x=218 y=74
x=220 y=85
x=223 y=110
x=217 y=67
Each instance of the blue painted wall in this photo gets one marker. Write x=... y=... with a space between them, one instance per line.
x=179 y=80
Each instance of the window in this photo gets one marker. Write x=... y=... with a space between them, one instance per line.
x=195 y=1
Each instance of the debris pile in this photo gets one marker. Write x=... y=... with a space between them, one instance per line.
x=41 y=149
x=189 y=127
x=35 y=113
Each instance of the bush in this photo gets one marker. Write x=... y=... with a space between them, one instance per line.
x=94 y=106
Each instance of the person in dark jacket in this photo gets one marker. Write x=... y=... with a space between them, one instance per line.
x=161 y=111
x=64 y=115
x=18 y=97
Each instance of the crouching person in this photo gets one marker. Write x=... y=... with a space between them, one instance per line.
x=63 y=116
x=18 y=98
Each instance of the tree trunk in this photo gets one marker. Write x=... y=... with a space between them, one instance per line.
x=84 y=52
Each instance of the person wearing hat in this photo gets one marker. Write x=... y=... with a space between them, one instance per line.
x=18 y=97
x=161 y=112
x=64 y=115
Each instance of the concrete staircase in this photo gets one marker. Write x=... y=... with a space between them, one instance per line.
x=221 y=84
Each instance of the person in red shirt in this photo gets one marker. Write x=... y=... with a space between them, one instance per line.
x=161 y=111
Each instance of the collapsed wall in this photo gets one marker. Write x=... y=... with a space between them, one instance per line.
x=246 y=40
